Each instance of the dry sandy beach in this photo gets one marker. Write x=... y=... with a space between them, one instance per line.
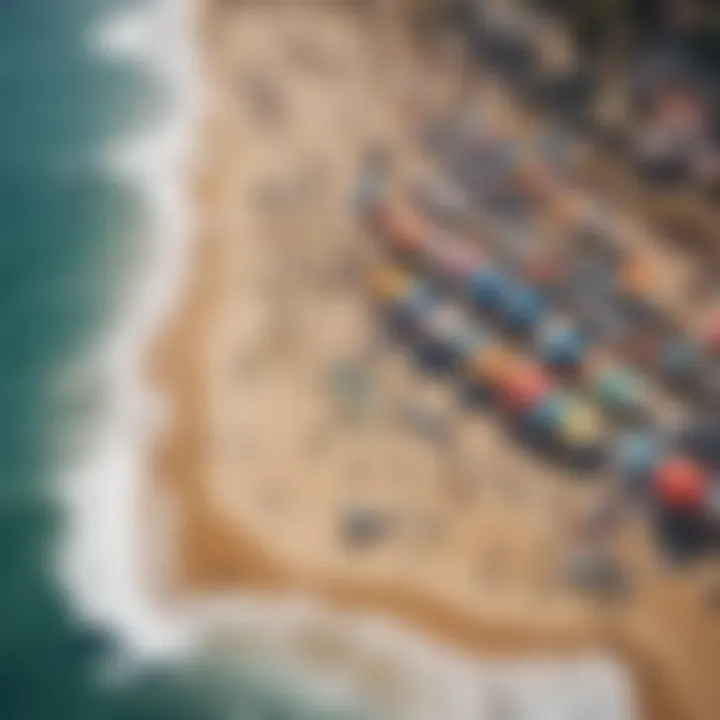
x=262 y=458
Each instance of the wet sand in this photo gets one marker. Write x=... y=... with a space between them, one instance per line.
x=262 y=458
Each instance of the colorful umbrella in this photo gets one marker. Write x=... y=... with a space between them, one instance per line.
x=487 y=288
x=580 y=426
x=523 y=387
x=636 y=457
x=452 y=257
x=388 y=283
x=523 y=307
x=681 y=484
x=619 y=389
x=405 y=228
x=491 y=364
x=561 y=346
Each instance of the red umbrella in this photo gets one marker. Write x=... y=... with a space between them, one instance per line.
x=523 y=387
x=681 y=483
x=406 y=228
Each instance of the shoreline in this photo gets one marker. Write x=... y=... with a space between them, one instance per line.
x=218 y=555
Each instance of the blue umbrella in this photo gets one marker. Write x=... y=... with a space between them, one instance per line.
x=562 y=347
x=635 y=457
x=523 y=308
x=487 y=288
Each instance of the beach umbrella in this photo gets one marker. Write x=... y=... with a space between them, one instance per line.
x=452 y=258
x=580 y=426
x=522 y=308
x=438 y=333
x=387 y=283
x=548 y=415
x=636 y=457
x=469 y=341
x=409 y=309
x=619 y=390
x=487 y=288
x=490 y=364
x=405 y=228
x=681 y=484
x=523 y=387
x=637 y=277
x=561 y=346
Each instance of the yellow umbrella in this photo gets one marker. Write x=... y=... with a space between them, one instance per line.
x=491 y=364
x=388 y=283
x=580 y=426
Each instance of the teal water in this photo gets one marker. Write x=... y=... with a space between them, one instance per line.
x=69 y=249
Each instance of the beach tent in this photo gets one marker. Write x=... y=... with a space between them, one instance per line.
x=681 y=484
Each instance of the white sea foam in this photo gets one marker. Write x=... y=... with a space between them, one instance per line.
x=100 y=566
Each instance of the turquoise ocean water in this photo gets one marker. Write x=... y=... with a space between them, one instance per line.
x=71 y=242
